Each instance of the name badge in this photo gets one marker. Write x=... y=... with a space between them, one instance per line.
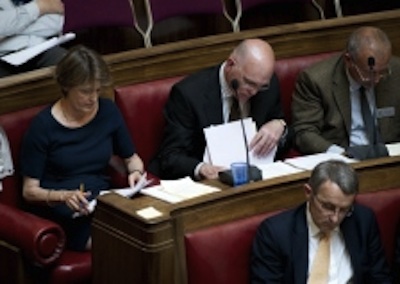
x=385 y=112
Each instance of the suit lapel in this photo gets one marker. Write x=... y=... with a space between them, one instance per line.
x=341 y=95
x=300 y=246
x=212 y=104
x=349 y=232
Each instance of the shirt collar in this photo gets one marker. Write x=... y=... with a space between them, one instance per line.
x=313 y=230
x=354 y=85
x=225 y=90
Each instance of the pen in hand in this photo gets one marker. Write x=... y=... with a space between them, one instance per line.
x=83 y=205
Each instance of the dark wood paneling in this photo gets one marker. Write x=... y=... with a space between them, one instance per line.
x=140 y=65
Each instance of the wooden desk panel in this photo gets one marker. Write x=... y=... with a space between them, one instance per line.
x=185 y=57
x=129 y=249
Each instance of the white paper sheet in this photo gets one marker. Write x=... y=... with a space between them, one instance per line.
x=20 y=57
x=310 y=161
x=278 y=169
x=174 y=191
x=226 y=145
x=393 y=149
x=149 y=213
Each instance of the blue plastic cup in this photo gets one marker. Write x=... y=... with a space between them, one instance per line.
x=239 y=173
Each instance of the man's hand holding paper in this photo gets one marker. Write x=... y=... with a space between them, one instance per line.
x=267 y=138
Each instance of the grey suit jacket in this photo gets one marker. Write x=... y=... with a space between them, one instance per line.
x=321 y=107
x=280 y=248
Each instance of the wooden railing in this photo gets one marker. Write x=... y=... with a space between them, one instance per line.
x=139 y=65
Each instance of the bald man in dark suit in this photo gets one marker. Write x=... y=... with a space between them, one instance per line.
x=204 y=98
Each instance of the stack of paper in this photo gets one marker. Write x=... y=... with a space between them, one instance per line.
x=310 y=161
x=226 y=145
x=278 y=169
x=174 y=191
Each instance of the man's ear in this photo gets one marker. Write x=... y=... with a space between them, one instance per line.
x=230 y=62
x=347 y=57
x=307 y=191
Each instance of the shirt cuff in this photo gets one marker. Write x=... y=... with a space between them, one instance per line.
x=335 y=149
x=197 y=171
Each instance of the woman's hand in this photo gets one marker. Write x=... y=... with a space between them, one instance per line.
x=135 y=168
x=76 y=200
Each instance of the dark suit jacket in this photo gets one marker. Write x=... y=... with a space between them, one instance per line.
x=195 y=103
x=321 y=108
x=280 y=248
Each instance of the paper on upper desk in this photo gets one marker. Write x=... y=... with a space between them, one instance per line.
x=20 y=57
x=125 y=192
x=278 y=169
x=226 y=145
x=174 y=191
x=310 y=161
x=393 y=149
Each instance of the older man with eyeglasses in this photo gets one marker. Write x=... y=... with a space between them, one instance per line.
x=328 y=239
x=350 y=103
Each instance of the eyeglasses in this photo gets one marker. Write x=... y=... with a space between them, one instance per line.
x=254 y=85
x=366 y=76
x=330 y=209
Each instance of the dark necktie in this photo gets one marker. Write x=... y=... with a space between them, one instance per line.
x=369 y=122
x=235 y=110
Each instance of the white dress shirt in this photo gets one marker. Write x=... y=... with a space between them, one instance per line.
x=357 y=132
x=340 y=270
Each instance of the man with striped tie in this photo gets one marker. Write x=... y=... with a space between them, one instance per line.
x=328 y=239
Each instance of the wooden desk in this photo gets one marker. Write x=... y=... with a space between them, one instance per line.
x=130 y=249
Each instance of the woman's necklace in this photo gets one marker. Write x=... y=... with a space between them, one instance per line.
x=71 y=120
x=67 y=118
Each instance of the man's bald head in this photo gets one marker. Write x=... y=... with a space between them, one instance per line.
x=251 y=64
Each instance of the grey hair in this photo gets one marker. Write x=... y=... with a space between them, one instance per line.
x=365 y=37
x=337 y=172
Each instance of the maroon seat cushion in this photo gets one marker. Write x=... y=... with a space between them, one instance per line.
x=142 y=108
x=386 y=205
x=15 y=124
x=221 y=254
x=73 y=267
